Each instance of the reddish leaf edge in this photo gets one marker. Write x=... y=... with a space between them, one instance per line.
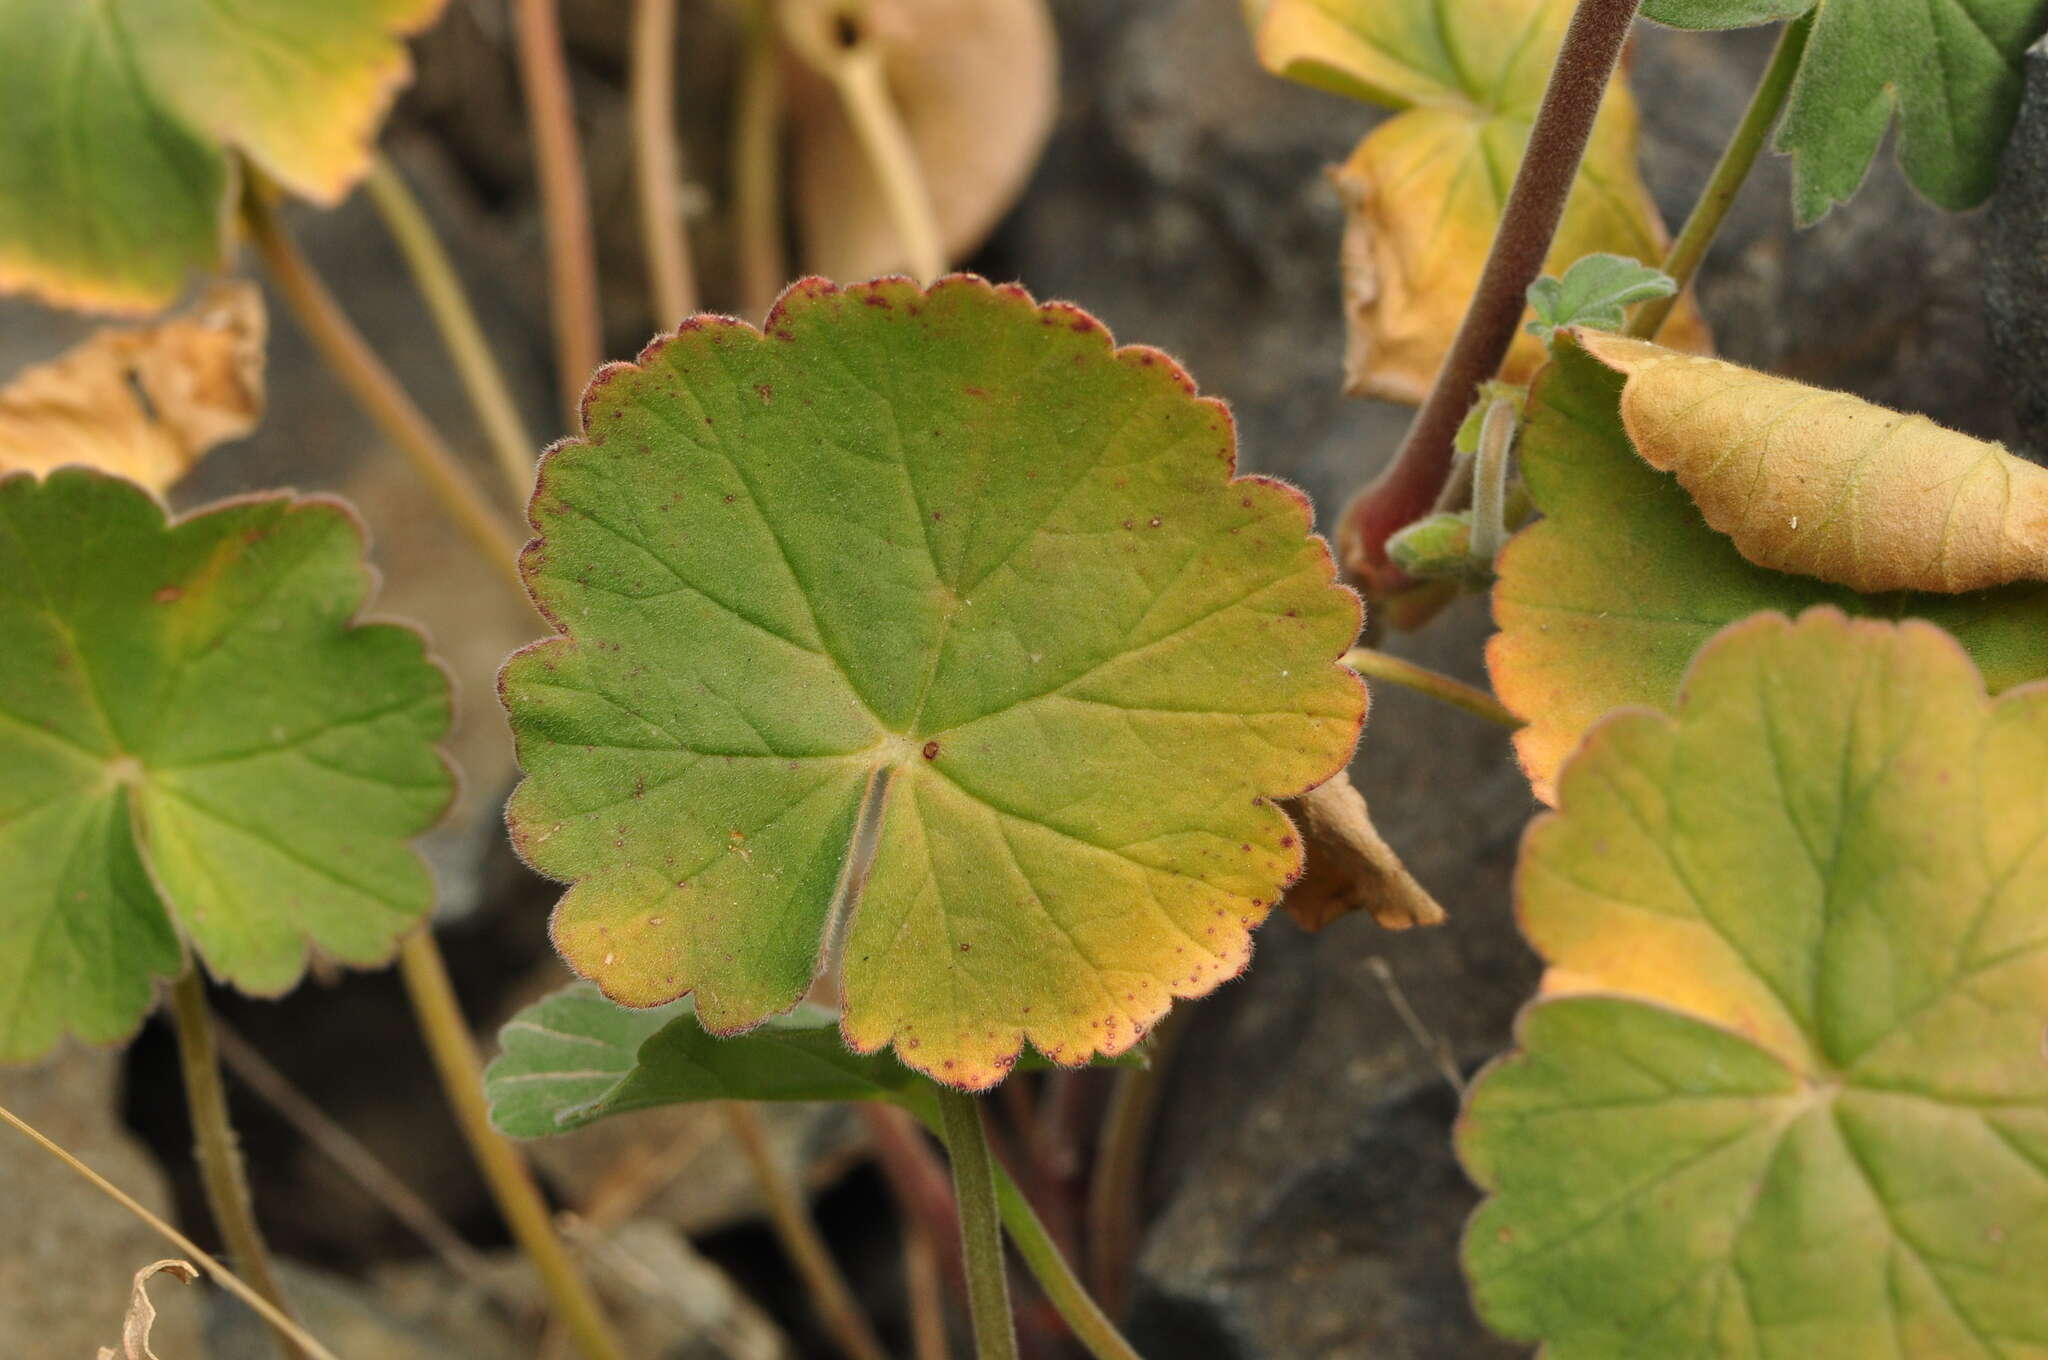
x=885 y=291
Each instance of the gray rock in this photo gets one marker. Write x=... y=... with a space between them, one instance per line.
x=2016 y=261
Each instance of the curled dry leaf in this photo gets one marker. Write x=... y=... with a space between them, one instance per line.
x=1349 y=867
x=145 y=402
x=976 y=83
x=142 y=1313
x=1828 y=485
x=1424 y=190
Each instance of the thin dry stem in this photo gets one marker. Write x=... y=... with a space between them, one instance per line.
x=564 y=201
x=658 y=161
x=222 y=1276
x=757 y=166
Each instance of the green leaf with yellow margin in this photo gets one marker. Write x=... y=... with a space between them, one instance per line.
x=1602 y=603
x=1794 y=1101
x=574 y=1058
x=1424 y=190
x=945 y=577
x=123 y=116
x=197 y=743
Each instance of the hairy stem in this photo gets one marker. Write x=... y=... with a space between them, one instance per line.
x=757 y=166
x=819 y=33
x=222 y=1276
x=1557 y=142
x=218 y=1151
x=658 y=161
x=345 y=351
x=981 y=1236
x=448 y=304
x=1120 y=1163
x=1700 y=228
x=801 y=1240
x=1090 y=1325
x=564 y=200
x=1376 y=665
x=504 y=1169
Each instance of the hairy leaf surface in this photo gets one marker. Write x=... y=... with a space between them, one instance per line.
x=1948 y=69
x=1603 y=602
x=123 y=117
x=1424 y=190
x=196 y=742
x=1794 y=1100
x=1826 y=484
x=949 y=574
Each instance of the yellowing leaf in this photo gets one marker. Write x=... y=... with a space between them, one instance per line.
x=1350 y=867
x=1423 y=192
x=1603 y=601
x=122 y=115
x=1796 y=1103
x=945 y=576
x=143 y=403
x=976 y=83
x=1829 y=485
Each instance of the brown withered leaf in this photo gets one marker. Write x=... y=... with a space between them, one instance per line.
x=143 y=402
x=1349 y=868
x=976 y=83
x=1828 y=485
x=142 y=1313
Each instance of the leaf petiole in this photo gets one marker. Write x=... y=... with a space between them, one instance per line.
x=1701 y=226
x=981 y=1236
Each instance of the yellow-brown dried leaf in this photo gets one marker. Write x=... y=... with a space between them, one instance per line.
x=1828 y=485
x=1424 y=191
x=142 y=1313
x=143 y=402
x=1349 y=867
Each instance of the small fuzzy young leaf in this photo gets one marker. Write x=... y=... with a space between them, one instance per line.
x=1793 y=1100
x=123 y=118
x=1424 y=191
x=945 y=575
x=1603 y=602
x=146 y=402
x=1596 y=292
x=1949 y=71
x=197 y=742
x=574 y=1058
x=1829 y=485
x=1438 y=548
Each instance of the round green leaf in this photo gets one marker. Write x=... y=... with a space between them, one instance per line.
x=1800 y=1106
x=1603 y=602
x=115 y=175
x=195 y=740
x=945 y=577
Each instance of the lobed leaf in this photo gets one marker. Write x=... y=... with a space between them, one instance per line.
x=116 y=175
x=931 y=633
x=1424 y=191
x=1603 y=602
x=1794 y=1100
x=1596 y=292
x=1829 y=485
x=1948 y=69
x=197 y=745
x=146 y=402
